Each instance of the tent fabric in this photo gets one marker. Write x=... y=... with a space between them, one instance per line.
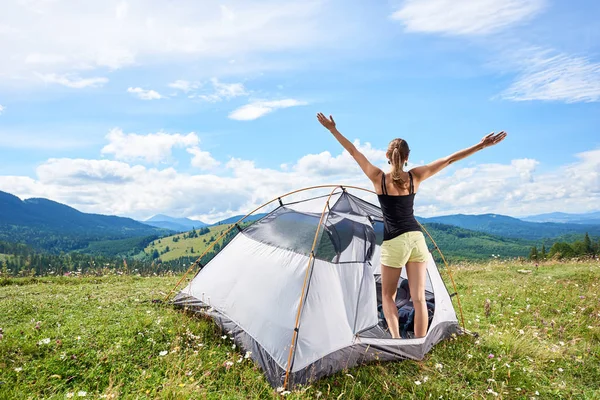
x=253 y=289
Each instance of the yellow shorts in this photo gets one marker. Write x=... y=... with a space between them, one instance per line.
x=408 y=247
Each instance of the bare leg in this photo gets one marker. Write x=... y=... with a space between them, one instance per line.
x=389 y=285
x=416 y=272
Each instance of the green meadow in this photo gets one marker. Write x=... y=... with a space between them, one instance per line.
x=103 y=337
x=178 y=246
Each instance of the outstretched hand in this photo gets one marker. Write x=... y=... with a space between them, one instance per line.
x=493 y=139
x=328 y=123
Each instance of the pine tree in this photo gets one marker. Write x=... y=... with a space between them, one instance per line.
x=543 y=255
x=587 y=243
x=533 y=254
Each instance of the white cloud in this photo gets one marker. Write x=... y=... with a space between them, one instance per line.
x=464 y=17
x=153 y=148
x=145 y=94
x=73 y=81
x=114 y=187
x=202 y=159
x=554 y=77
x=223 y=91
x=260 y=108
x=63 y=37
x=122 y=10
x=2 y=108
x=516 y=187
x=184 y=86
x=324 y=164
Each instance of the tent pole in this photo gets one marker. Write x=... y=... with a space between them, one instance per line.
x=299 y=312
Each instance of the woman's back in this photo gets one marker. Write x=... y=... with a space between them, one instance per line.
x=398 y=210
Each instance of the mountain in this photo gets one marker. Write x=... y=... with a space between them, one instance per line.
x=509 y=227
x=51 y=226
x=236 y=218
x=174 y=224
x=592 y=218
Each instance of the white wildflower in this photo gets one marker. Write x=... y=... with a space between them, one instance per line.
x=44 y=341
x=425 y=378
x=224 y=337
x=560 y=370
x=439 y=366
x=163 y=353
x=248 y=354
x=469 y=355
x=233 y=346
x=490 y=391
x=70 y=394
x=81 y=393
x=417 y=383
x=280 y=389
x=18 y=369
x=521 y=332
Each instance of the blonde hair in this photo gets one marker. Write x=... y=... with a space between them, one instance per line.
x=397 y=153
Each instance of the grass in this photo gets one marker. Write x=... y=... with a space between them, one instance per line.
x=183 y=247
x=104 y=336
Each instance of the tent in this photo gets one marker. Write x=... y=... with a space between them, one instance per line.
x=299 y=289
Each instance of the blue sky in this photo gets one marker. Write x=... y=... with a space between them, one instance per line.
x=206 y=108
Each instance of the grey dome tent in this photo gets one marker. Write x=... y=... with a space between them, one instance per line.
x=299 y=289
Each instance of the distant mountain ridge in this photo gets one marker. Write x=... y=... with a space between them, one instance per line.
x=174 y=224
x=52 y=226
x=509 y=227
x=591 y=218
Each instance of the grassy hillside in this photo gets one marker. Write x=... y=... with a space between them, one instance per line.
x=184 y=247
x=102 y=337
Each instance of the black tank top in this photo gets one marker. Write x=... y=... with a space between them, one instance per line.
x=398 y=211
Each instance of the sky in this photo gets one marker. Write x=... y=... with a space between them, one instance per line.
x=206 y=109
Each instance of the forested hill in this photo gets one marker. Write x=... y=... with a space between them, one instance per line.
x=55 y=227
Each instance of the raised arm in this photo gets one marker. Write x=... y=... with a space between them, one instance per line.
x=427 y=171
x=372 y=172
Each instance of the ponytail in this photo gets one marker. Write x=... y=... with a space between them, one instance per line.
x=398 y=153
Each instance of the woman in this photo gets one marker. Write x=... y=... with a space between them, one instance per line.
x=403 y=242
